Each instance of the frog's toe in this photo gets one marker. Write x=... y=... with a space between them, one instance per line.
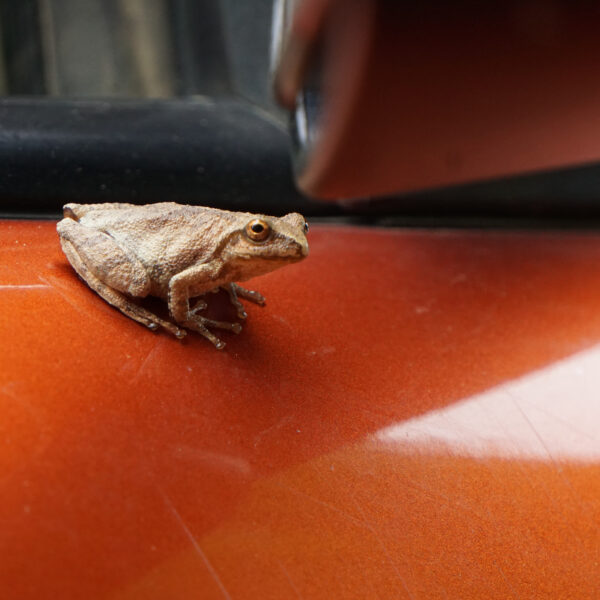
x=235 y=327
x=200 y=305
x=251 y=295
x=199 y=324
x=173 y=329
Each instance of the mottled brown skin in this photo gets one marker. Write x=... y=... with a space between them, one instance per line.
x=175 y=252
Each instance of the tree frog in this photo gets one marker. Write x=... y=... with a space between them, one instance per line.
x=177 y=252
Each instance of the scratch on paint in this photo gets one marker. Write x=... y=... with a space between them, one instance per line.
x=276 y=426
x=195 y=544
x=323 y=503
x=158 y=342
x=216 y=460
x=385 y=549
x=32 y=286
x=290 y=581
x=61 y=290
x=536 y=433
x=553 y=460
x=564 y=422
x=514 y=592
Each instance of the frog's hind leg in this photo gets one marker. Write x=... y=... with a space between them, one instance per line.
x=105 y=258
x=116 y=298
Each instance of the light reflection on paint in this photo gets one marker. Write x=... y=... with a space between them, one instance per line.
x=551 y=414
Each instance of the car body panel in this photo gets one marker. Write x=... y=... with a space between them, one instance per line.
x=412 y=415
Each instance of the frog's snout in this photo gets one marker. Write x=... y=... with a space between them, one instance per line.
x=300 y=248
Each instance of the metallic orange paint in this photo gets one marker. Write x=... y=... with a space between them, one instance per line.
x=412 y=415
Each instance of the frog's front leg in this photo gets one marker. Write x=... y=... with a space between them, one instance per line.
x=234 y=290
x=203 y=278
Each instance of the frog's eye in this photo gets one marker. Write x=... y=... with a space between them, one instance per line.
x=305 y=227
x=258 y=230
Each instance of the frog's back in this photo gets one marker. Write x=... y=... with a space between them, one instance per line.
x=117 y=213
x=165 y=236
x=77 y=211
x=159 y=218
